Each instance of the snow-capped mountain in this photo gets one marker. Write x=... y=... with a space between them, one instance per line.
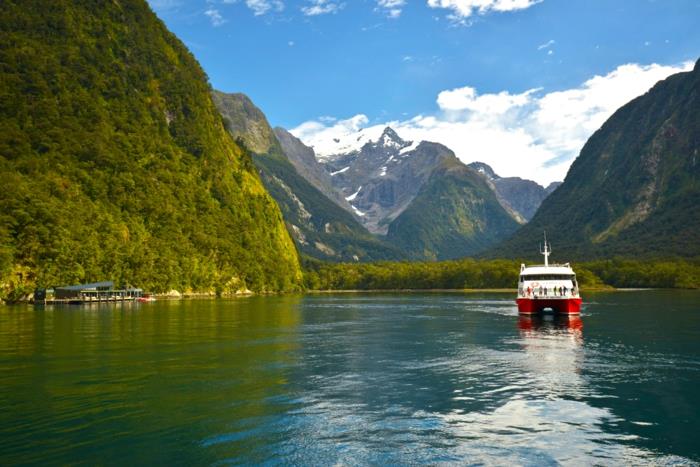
x=379 y=174
x=327 y=146
x=383 y=176
x=417 y=193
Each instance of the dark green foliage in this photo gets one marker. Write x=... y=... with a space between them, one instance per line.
x=459 y=274
x=115 y=164
x=497 y=274
x=682 y=274
x=635 y=188
x=455 y=214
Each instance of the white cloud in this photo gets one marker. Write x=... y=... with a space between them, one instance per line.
x=392 y=8
x=533 y=134
x=462 y=9
x=260 y=7
x=321 y=7
x=466 y=99
x=331 y=136
x=215 y=17
x=547 y=44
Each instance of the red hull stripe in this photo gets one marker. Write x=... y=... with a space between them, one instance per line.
x=564 y=305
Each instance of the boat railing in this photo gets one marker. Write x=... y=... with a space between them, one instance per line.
x=548 y=293
x=550 y=265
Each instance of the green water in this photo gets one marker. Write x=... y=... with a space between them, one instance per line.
x=353 y=379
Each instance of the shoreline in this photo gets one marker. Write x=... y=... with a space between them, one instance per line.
x=468 y=291
x=211 y=296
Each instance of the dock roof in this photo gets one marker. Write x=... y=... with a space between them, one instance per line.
x=94 y=285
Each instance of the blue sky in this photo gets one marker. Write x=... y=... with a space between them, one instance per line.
x=390 y=60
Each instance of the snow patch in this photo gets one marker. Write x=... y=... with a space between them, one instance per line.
x=388 y=142
x=340 y=171
x=357 y=211
x=354 y=195
x=383 y=172
x=343 y=137
x=409 y=148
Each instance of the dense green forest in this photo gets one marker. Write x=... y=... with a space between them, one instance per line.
x=494 y=274
x=115 y=163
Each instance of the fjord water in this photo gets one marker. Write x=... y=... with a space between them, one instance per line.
x=353 y=379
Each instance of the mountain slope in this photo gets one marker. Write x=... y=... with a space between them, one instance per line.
x=519 y=196
x=304 y=161
x=320 y=227
x=635 y=188
x=115 y=163
x=382 y=178
x=455 y=214
x=243 y=119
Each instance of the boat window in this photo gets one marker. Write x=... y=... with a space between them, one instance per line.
x=548 y=277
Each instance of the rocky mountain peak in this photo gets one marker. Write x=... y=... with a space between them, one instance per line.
x=390 y=138
x=552 y=186
x=519 y=197
x=484 y=169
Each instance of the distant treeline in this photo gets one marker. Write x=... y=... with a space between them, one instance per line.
x=494 y=274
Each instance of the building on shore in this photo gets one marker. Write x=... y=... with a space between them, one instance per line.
x=86 y=293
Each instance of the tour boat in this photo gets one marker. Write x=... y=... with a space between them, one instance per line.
x=547 y=285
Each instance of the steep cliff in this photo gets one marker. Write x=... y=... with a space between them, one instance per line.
x=115 y=163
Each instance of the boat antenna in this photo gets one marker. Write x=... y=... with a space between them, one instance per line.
x=546 y=250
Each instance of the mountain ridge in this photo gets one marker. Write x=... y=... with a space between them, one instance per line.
x=465 y=216
x=418 y=194
x=304 y=160
x=634 y=190
x=320 y=227
x=519 y=196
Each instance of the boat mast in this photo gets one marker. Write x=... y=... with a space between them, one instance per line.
x=546 y=251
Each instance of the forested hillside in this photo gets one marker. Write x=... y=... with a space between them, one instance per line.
x=115 y=163
x=635 y=188
x=455 y=214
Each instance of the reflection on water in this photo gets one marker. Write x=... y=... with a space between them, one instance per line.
x=357 y=379
x=544 y=324
x=553 y=355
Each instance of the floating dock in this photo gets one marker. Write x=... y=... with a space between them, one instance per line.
x=98 y=292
